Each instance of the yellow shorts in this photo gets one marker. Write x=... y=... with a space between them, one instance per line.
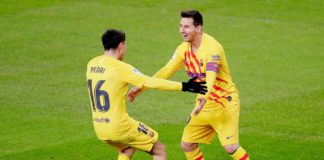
x=139 y=136
x=224 y=122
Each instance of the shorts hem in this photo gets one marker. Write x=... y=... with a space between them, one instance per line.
x=204 y=142
x=229 y=143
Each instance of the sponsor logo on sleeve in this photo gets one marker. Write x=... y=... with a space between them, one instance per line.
x=215 y=57
x=137 y=71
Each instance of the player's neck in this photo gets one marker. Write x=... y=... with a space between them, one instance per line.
x=113 y=54
x=196 y=43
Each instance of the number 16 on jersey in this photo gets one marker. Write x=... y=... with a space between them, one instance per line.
x=99 y=98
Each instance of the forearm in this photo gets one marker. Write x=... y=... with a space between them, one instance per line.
x=161 y=84
x=210 y=81
x=164 y=73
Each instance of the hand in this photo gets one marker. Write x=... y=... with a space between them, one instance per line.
x=135 y=91
x=195 y=87
x=200 y=106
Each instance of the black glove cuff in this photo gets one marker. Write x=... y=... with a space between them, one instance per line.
x=184 y=87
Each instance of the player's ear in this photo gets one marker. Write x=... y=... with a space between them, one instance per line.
x=198 y=28
x=121 y=45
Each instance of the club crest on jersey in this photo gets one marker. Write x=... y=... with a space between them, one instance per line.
x=137 y=71
x=215 y=57
x=201 y=62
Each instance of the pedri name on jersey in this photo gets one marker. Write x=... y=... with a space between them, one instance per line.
x=96 y=69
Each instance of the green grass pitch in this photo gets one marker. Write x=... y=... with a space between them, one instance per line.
x=274 y=48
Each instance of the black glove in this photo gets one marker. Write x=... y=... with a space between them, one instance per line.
x=195 y=87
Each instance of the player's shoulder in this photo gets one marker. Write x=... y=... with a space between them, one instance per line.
x=211 y=40
x=125 y=68
x=212 y=43
x=108 y=61
x=121 y=64
x=182 y=46
x=94 y=60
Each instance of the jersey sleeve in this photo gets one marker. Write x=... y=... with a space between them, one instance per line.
x=174 y=64
x=132 y=76
x=212 y=68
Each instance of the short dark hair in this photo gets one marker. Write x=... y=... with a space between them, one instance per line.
x=112 y=37
x=195 y=15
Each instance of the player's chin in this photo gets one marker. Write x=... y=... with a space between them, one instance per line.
x=186 y=39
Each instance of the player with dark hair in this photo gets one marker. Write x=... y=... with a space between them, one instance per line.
x=108 y=79
x=216 y=112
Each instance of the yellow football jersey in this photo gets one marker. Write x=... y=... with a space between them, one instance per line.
x=208 y=64
x=108 y=80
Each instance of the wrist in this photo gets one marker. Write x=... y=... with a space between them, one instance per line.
x=184 y=87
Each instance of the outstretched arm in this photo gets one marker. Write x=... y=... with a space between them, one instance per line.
x=175 y=63
x=136 y=78
x=189 y=86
